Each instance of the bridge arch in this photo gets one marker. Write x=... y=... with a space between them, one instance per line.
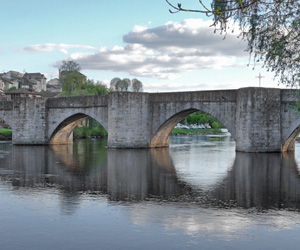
x=62 y=133
x=163 y=129
x=290 y=136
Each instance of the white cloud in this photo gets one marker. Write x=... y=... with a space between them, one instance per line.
x=64 y=51
x=49 y=47
x=162 y=52
x=193 y=34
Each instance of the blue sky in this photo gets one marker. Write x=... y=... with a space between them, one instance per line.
x=129 y=38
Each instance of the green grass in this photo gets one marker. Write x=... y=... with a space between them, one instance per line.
x=5 y=132
x=195 y=131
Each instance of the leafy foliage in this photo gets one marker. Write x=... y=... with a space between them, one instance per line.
x=72 y=81
x=90 y=127
x=113 y=83
x=90 y=87
x=202 y=118
x=270 y=27
x=136 y=85
x=12 y=88
x=5 y=132
x=123 y=85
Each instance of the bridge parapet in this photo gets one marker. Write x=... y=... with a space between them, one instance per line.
x=196 y=96
x=78 y=102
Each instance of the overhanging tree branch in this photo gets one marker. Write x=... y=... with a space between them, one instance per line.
x=271 y=29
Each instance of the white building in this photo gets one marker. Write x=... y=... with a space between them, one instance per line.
x=54 y=85
x=10 y=79
x=34 y=81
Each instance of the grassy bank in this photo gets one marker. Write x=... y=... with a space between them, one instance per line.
x=5 y=134
x=5 y=131
x=182 y=131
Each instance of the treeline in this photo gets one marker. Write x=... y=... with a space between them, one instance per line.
x=89 y=87
x=73 y=85
x=134 y=85
x=201 y=117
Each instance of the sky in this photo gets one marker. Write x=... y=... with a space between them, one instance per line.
x=125 y=39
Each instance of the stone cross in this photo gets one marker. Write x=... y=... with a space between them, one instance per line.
x=259 y=77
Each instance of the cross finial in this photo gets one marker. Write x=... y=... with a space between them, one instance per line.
x=259 y=77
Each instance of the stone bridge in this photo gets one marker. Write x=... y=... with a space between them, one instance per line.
x=259 y=119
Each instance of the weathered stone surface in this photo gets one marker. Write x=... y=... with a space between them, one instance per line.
x=128 y=120
x=259 y=119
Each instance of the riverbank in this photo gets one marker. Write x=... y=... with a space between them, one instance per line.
x=5 y=134
x=181 y=131
x=89 y=137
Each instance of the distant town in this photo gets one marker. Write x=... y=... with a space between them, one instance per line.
x=13 y=84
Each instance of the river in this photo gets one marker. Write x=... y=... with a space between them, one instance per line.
x=197 y=194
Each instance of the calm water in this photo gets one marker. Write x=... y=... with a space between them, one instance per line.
x=198 y=194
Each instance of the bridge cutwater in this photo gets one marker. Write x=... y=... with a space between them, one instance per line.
x=259 y=119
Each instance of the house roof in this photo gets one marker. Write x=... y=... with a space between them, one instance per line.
x=15 y=74
x=49 y=86
x=21 y=91
x=49 y=94
x=33 y=76
x=4 y=79
x=54 y=81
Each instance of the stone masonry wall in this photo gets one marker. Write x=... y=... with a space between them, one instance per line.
x=258 y=125
x=128 y=120
x=29 y=121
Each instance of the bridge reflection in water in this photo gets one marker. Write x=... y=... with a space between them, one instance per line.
x=263 y=181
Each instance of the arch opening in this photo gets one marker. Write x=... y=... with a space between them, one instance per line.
x=162 y=135
x=80 y=125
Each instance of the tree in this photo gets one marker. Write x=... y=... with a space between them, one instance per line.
x=70 y=76
x=116 y=84
x=270 y=27
x=72 y=80
x=113 y=83
x=123 y=85
x=136 y=85
x=70 y=66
